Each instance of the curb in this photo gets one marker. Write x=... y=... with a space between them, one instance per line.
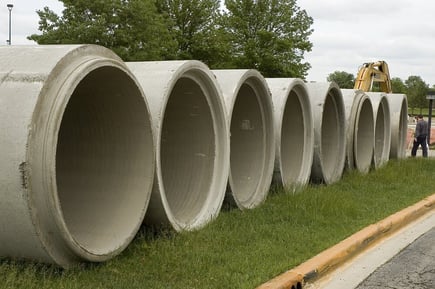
x=331 y=258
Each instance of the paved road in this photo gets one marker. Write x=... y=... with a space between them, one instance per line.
x=405 y=260
x=413 y=267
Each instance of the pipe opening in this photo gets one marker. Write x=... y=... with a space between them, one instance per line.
x=247 y=158
x=104 y=161
x=363 y=146
x=380 y=131
x=292 y=139
x=403 y=129
x=330 y=136
x=187 y=150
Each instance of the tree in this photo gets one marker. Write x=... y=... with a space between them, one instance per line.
x=131 y=28
x=416 y=92
x=269 y=35
x=397 y=85
x=196 y=30
x=342 y=78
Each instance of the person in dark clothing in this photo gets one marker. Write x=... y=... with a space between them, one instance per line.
x=421 y=130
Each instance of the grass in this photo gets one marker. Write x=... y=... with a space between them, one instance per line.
x=242 y=249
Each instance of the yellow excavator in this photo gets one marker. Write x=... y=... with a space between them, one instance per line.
x=373 y=72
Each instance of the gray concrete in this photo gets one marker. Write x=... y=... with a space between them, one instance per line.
x=399 y=124
x=382 y=116
x=252 y=150
x=360 y=130
x=192 y=142
x=329 y=132
x=76 y=154
x=294 y=132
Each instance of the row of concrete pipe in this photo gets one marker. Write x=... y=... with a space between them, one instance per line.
x=93 y=147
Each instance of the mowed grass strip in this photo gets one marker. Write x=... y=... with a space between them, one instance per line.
x=243 y=249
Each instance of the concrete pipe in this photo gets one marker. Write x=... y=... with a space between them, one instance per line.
x=399 y=124
x=192 y=142
x=360 y=130
x=329 y=132
x=76 y=154
x=250 y=118
x=381 y=111
x=294 y=133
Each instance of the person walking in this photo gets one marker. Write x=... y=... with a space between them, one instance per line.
x=420 y=135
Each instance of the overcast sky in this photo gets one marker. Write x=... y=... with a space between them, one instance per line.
x=346 y=34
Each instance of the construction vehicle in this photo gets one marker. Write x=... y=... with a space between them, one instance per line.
x=371 y=73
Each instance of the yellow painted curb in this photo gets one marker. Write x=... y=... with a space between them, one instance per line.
x=331 y=258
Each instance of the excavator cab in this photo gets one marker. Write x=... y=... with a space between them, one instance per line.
x=371 y=73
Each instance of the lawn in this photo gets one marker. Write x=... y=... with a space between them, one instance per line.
x=242 y=249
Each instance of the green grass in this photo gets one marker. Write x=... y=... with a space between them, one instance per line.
x=244 y=249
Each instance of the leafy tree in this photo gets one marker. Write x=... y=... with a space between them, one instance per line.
x=269 y=35
x=397 y=85
x=342 y=78
x=195 y=26
x=131 y=28
x=416 y=92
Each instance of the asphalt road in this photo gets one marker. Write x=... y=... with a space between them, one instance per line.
x=413 y=267
x=405 y=260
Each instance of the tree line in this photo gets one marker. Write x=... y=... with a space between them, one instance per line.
x=268 y=35
x=414 y=87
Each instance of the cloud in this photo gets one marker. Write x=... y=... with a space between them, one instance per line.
x=346 y=34
x=349 y=33
x=24 y=19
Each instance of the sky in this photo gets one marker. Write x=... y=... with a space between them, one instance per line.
x=346 y=34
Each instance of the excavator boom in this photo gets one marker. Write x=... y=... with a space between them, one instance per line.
x=372 y=72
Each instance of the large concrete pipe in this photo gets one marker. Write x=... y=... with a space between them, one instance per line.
x=381 y=111
x=250 y=117
x=399 y=124
x=329 y=132
x=76 y=154
x=192 y=142
x=360 y=130
x=294 y=131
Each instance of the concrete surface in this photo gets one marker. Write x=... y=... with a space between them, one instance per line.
x=399 y=122
x=294 y=134
x=252 y=143
x=68 y=192
x=360 y=130
x=329 y=132
x=192 y=141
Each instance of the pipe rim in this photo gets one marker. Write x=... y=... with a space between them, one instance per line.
x=251 y=88
x=66 y=247
x=199 y=74
x=332 y=168
x=300 y=156
x=363 y=138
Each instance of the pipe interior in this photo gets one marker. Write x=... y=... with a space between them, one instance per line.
x=380 y=133
x=292 y=139
x=330 y=136
x=187 y=150
x=104 y=160
x=247 y=143
x=363 y=141
x=403 y=126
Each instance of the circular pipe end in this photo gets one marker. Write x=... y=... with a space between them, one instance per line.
x=329 y=132
x=250 y=116
x=192 y=142
x=93 y=151
x=294 y=132
x=399 y=124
